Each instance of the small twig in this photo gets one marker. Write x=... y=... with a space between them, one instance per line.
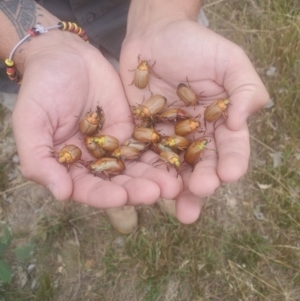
x=254 y=4
x=278 y=181
x=76 y=236
x=289 y=247
x=263 y=144
x=265 y=257
x=256 y=277
x=237 y=279
x=84 y=216
x=16 y=187
x=212 y=4
x=79 y=277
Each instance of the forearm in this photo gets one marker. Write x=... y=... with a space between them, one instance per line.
x=145 y=13
x=16 y=18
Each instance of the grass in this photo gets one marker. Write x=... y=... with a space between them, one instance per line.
x=245 y=250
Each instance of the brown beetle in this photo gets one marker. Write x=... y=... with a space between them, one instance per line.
x=150 y=107
x=147 y=135
x=109 y=166
x=89 y=142
x=169 y=158
x=93 y=148
x=216 y=109
x=146 y=123
x=141 y=146
x=187 y=126
x=92 y=122
x=194 y=152
x=186 y=94
x=176 y=142
x=158 y=148
x=68 y=155
x=126 y=153
x=173 y=115
x=141 y=73
x=107 y=142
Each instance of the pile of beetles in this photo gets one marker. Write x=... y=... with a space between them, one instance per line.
x=109 y=154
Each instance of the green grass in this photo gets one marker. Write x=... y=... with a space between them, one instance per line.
x=228 y=254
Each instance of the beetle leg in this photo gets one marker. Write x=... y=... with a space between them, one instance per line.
x=195 y=163
x=200 y=94
x=107 y=175
x=205 y=123
x=149 y=89
x=152 y=64
x=173 y=103
x=78 y=165
x=159 y=159
x=167 y=164
x=131 y=82
x=188 y=82
x=139 y=59
x=163 y=162
x=202 y=131
x=53 y=151
x=210 y=149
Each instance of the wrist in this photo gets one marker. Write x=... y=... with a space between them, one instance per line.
x=31 y=15
x=18 y=47
x=150 y=14
x=52 y=42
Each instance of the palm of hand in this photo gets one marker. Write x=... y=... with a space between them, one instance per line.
x=181 y=51
x=58 y=103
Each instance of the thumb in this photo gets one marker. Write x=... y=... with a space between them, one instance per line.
x=246 y=90
x=32 y=131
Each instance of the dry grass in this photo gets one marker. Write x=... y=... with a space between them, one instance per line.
x=245 y=246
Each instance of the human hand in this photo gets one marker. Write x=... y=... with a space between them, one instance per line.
x=61 y=83
x=213 y=65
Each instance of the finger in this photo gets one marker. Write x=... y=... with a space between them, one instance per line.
x=139 y=191
x=33 y=138
x=169 y=184
x=246 y=91
x=204 y=179
x=188 y=207
x=233 y=152
x=96 y=192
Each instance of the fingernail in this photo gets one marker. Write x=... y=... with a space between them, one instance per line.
x=53 y=189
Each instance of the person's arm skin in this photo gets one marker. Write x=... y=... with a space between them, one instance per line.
x=167 y=32
x=64 y=77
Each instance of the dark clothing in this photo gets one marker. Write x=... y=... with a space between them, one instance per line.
x=104 y=22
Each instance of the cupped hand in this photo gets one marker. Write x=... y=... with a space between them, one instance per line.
x=215 y=68
x=60 y=85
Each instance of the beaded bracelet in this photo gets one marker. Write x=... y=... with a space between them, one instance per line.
x=33 y=32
